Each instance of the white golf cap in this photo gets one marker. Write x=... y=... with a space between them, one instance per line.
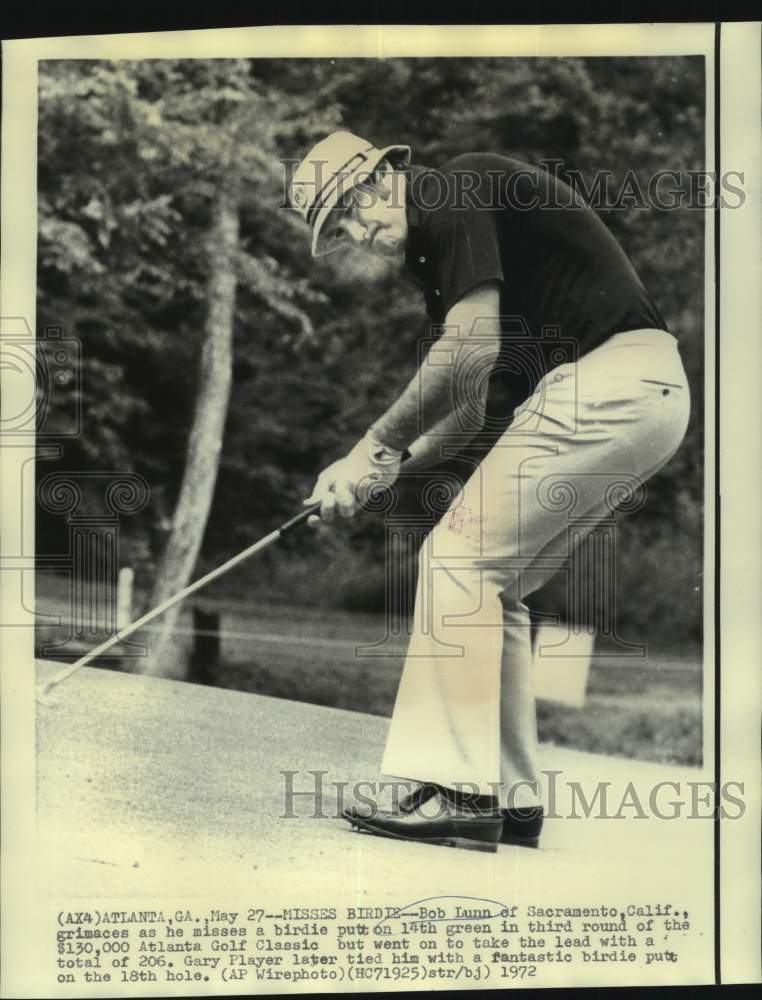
x=328 y=172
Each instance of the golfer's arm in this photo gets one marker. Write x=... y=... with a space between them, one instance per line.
x=457 y=381
x=431 y=447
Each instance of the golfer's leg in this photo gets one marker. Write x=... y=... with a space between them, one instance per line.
x=465 y=709
x=446 y=725
x=609 y=424
x=587 y=428
x=519 y=753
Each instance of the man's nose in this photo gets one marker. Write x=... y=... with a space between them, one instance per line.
x=354 y=230
x=361 y=232
x=371 y=228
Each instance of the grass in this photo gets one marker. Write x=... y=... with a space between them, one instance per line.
x=666 y=734
x=650 y=711
x=662 y=722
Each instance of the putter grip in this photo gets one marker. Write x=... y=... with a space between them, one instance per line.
x=301 y=518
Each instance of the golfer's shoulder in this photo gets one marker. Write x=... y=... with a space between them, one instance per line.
x=467 y=184
x=481 y=160
x=482 y=168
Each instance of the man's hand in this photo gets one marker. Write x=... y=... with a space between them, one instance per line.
x=346 y=483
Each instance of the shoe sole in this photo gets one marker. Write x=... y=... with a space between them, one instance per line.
x=521 y=841
x=487 y=846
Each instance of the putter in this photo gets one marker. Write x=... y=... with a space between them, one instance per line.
x=44 y=690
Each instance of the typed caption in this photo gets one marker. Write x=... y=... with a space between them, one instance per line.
x=437 y=942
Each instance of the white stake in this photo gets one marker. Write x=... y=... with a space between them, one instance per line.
x=124 y=597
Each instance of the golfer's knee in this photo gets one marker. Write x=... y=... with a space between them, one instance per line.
x=448 y=542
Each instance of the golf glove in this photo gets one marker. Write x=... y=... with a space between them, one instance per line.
x=349 y=482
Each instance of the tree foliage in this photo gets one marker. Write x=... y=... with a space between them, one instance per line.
x=131 y=155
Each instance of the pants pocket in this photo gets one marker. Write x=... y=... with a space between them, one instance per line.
x=665 y=386
x=669 y=407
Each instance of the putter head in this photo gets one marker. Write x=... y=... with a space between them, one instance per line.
x=41 y=695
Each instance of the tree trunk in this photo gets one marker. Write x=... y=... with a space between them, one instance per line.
x=205 y=439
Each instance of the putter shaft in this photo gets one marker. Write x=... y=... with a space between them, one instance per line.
x=149 y=616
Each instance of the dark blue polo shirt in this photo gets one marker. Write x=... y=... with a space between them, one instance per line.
x=566 y=284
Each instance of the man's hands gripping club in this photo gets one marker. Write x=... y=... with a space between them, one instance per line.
x=458 y=379
x=348 y=483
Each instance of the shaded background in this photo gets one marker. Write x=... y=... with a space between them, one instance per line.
x=130 y=156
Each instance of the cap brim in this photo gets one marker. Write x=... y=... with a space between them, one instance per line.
x=320 y=248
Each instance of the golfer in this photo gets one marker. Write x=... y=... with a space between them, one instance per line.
x=512 y=265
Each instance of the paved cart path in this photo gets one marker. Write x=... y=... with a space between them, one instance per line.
x=150 y=787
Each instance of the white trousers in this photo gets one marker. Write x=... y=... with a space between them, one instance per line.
x=465 y=709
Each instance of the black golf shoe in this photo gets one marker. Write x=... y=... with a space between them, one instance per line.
x=522 y=826
x=448 y=825
x=519 y=827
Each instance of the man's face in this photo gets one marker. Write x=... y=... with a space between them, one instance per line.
x=375 y=220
